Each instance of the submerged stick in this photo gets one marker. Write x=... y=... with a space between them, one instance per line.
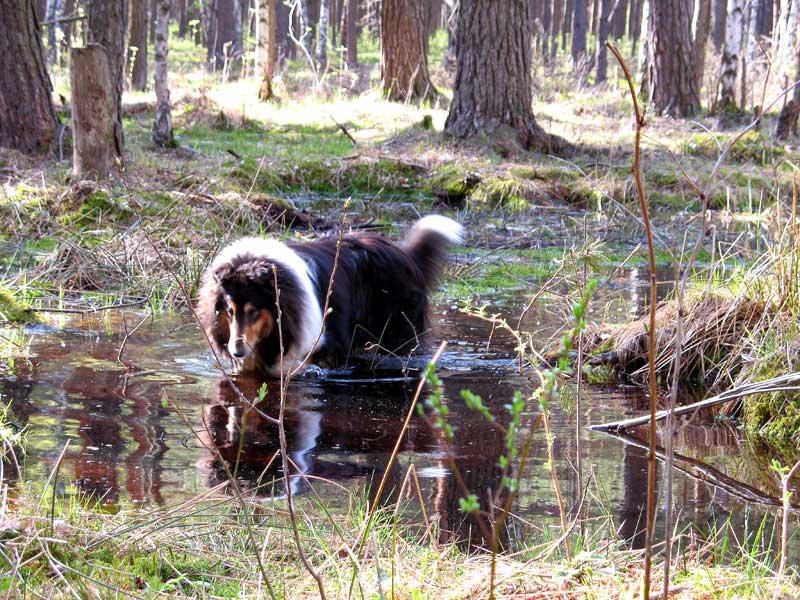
x=782 y=383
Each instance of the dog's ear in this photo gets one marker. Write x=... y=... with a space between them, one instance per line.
x=263 y=272
x=211 y=312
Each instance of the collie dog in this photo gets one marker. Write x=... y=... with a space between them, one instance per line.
x=379 y=296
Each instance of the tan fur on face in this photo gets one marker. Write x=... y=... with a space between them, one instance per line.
x=249 y=326
x=258 y=329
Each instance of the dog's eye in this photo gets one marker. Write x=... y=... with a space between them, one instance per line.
x=251 y=312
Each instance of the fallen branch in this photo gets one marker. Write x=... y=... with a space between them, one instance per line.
x=788 y=382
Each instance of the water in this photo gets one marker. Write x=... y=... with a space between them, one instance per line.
x=161 y=424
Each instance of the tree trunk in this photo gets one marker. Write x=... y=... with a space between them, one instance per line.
x=618 y=19
x=580 y=24
x=107 y=21
x=558 y=19
x=787 y=121
x=67 y=28
x=94 y=112
x=162 y=127
x=28 y=120
x=766 y=16
x=748 y=57
x=266 y=47
x=351 y=32
x=601 y=52
x=702 y=31
x=222 y=35
x=635 y=24
x=404 y=51
x=153 y=13
x=547 y=18
x=322 y=45
x=669 y=59
x=52 y=46
x=492 y=92
x=308 y=24
x=183 y=19
x=137 y=45
x=726 y=98
x=566 y=26
x=236 y=53
x=720 y=17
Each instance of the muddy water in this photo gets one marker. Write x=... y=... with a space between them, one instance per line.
x=139 y=428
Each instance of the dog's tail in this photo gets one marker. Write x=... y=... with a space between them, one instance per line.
x=428 y=243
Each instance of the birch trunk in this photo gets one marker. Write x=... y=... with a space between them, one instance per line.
x=726 y=98
x=322 y=46
x=162 y=128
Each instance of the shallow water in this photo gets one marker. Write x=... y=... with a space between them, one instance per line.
x=140 y=429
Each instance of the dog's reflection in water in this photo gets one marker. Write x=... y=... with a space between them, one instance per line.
x=320 y=419
x=339 y=429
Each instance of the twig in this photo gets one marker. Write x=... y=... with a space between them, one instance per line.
x=129 y=334
x=787 y=496
x=651 y=334
x=344 y=130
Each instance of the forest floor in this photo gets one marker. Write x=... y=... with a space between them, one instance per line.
x=289 y=168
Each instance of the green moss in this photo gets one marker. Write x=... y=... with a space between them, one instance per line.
x=252 y=173
x=98 y=206
x=13 y=308
x=497 y=192
x=453 y=184
x=546 y=173
x=753 y=147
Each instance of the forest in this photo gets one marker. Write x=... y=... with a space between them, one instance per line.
x=383 y=299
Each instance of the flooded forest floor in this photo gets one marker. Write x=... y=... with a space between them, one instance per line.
x=119 y=435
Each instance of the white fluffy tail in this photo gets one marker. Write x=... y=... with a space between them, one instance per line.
x=428 y=243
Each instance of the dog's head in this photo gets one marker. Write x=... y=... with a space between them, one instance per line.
x=237 y=305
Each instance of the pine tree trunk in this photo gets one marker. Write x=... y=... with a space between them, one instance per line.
x=635 y=24
x=94 y=112
x=222 y=34
x=152 y=22
x=618 y=19
x=52 y=46
x=322 y=45
x=787 y=121
x=492 y=92
x=404 y=51
x=266 y=47
x=702 y=31
x=669 y=59
x=720 y=18
x=580 y=24
x=28 y=120
x=558 y=19
x=137 y=45
x=183 y=19
x=351 y=32
x=601 y=52
x=67 y=28
x=726 y=98
x=162 y=127
x=566 y=27
x=107 y=21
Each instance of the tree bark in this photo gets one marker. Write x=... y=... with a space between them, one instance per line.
x=137 y=45
x=28 y=120
x=322 y=45
x=266 y=47
x=566 y=26
x=558 y=19
x=222 y=28
x=107 y=21
x=152 y=22
x=580 y=24
x=702 y=31
x=601 y=52
x=726 y=98
x=669 y=59
x=162 y=127
x=404 y=51
x=787 y=120
x=94 y=112
x=52 y=46
x=618 y=19
x=635 y=24
x=67 y=28
x=492 y=92
x=351 y=32
x=720 y=17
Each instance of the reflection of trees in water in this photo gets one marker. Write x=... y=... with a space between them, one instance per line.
x=345 y=430
x=109 y=406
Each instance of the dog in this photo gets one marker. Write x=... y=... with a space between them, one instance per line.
x=261 y=300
